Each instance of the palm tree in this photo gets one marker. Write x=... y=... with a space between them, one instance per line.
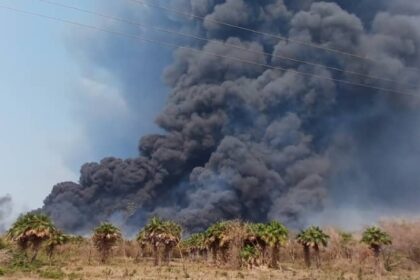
x=171 y=238
x=57 y=239
x=376 y=238
x=30 y=231
x=275 y=235
x=256 y=236
x=312 y=237
x=104 y=238
x=141 y=239
x=196 y=245
x=160 y=233
x=214 y=236
x=150 y=235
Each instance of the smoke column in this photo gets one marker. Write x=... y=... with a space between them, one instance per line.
x=242 y=141
x=5 y=212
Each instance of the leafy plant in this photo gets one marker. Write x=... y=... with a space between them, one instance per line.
x=57 y=239
x=160 y=233
x=312 y=238
x=376 y=238
x=19 y=262
x=214 y=236
x=195 y=244
x=104 y=238
x=30 y=231
x=275 y=235
x=249 y=254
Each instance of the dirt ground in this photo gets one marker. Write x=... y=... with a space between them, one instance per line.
x=127 y=269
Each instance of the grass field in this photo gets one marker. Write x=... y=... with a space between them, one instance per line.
x=350 y=260
x=121 y=268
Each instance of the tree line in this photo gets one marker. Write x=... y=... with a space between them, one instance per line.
x=235 y=243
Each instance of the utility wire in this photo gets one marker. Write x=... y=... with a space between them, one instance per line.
x=171 y=45
x=278 y=37
x=168 y=31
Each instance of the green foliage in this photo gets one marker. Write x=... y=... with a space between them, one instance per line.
x=249 y=253
x=31 y=229
x=272 y=234
x=256 y=233
x=376 y=237
x=20 y=262
x=313 y=237
x=275 y=234
x=107 y=230
x=159 y=231
x=196 y=241
x=104 y=238
x=57 y=239
x=216 y=233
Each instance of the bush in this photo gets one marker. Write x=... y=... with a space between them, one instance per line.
x=104 y=238
x=20 y=262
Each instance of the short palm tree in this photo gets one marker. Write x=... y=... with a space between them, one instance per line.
x=141 y=239
x=376 y=238
x=196 y=244
x=171 y=238
x=313 y=237
x=256 y=233
x=57 y=239
x=105 y=236
x=215 y=238
x=160 y=233
x=275 y=235
x=150 y=235
x=30 y=231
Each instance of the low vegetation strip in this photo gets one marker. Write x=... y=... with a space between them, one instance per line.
x=34 y=248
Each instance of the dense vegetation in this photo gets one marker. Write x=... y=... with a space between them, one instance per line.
x=229 y=244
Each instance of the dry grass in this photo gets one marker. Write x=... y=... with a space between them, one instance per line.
x=340 y=260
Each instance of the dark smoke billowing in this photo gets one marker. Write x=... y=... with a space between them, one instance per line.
x=241 y=141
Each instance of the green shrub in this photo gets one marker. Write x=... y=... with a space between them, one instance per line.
x=249 y=253
x=20 y=262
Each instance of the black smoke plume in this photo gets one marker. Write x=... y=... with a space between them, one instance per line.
x=243 y=141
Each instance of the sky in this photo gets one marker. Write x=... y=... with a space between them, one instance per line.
x=62 y=103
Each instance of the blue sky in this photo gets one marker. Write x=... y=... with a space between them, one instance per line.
x=62 y=100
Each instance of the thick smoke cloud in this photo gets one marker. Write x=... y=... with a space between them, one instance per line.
x=5 y=212
x=241 y=141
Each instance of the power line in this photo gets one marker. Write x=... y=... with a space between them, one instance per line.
x=168 y=31
x=171 y=45
x=278 y=37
